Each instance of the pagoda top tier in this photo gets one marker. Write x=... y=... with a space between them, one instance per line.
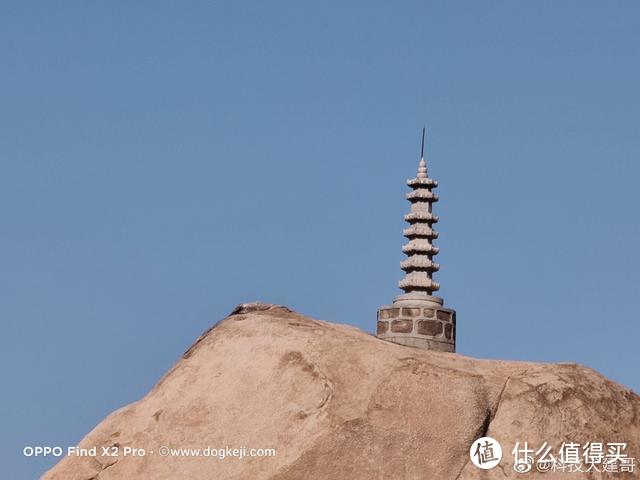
x=422 y=182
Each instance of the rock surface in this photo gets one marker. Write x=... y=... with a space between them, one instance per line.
x=337 y=403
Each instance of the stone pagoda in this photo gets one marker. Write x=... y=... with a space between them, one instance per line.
x=417 y=318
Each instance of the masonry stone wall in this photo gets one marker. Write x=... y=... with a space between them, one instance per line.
x=433 y=328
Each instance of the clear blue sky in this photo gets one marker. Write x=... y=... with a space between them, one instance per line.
x=161 y=162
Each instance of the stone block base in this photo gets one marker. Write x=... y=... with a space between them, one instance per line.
x=421 y=324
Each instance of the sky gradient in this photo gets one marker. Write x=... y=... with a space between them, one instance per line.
x=161 y=162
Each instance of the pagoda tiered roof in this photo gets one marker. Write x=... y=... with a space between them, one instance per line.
x=422 y=194
x=419 y=262
x=417 y=281
x=419 y=230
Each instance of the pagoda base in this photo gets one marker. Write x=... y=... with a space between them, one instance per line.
x=418 y=320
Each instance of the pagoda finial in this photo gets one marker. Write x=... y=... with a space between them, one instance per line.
x=422 y=166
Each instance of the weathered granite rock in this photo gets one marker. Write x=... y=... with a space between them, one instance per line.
x=337 y=403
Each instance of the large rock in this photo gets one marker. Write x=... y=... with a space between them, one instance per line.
x=337 y=403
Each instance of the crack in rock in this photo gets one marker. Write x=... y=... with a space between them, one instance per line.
x=491 y=415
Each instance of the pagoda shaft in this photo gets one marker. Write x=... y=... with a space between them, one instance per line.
x=419 y=266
